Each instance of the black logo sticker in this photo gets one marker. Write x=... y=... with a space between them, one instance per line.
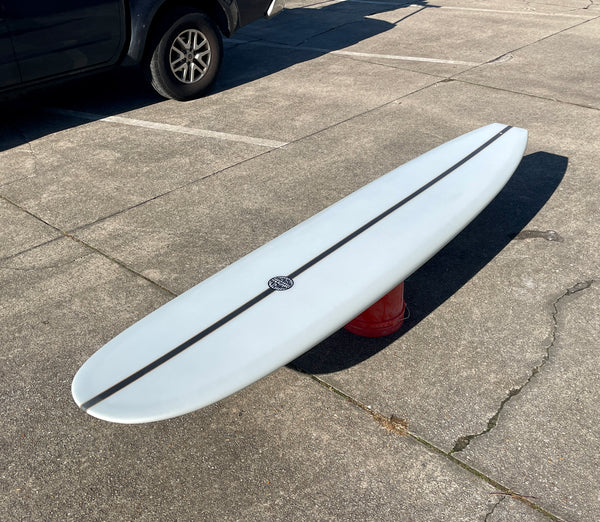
x=280 y=283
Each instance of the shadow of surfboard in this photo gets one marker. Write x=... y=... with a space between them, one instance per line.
x=530 y=187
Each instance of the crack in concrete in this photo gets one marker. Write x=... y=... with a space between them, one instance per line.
x=491 y=511
x=26 y=142
x=463 y=442
x=400 y=427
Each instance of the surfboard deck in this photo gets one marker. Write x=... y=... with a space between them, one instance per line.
x=282 y=299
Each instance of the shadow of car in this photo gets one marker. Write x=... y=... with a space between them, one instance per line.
x=179 y=44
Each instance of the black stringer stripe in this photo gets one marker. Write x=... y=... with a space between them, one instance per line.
x=201 y=335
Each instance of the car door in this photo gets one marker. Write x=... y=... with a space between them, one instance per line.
x=55 y=37
x=9 y=71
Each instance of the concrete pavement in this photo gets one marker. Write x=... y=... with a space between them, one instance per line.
x=483 y=407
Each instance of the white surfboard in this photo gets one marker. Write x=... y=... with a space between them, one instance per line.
x=279 y=301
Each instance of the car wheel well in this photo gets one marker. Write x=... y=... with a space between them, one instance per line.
x=212 y=9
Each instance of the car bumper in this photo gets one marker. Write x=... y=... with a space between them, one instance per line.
x=275 y=8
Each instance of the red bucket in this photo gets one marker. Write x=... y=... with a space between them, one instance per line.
x=383 y=318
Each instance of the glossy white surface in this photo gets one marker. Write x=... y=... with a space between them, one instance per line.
x=284 y=324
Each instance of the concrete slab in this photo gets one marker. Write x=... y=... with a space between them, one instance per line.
x=185 y=237
x=545 y=438
x=482 y=287
x=335 y=93
x=303 y=21
x=261 y=85
x=472 y=36
x=333 y=26
x=448 y=419
x=285 y=448
x=210 y=224
x=573 y=8
x=93 y=162
x=548 y=68
x=17 y=158
x=51 y=298
x=20 y=230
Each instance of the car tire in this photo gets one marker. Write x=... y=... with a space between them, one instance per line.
x=186 y=55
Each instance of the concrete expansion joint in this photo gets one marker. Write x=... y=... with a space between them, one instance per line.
x=464 y=441
x=64 y=234
x=34 y=216
x=400 y=427
x=392 y=423
x=37 y=267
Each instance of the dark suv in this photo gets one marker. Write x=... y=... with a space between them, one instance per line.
x=178 y=42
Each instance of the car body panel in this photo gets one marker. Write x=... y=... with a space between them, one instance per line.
x=9 y=70
x=145 y=14
x=64 y=35
x=252 y=10
x=42 y=40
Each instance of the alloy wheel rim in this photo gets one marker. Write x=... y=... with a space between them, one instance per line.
x=189 y=56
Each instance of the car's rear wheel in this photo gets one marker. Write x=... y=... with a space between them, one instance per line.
x=186 y=55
